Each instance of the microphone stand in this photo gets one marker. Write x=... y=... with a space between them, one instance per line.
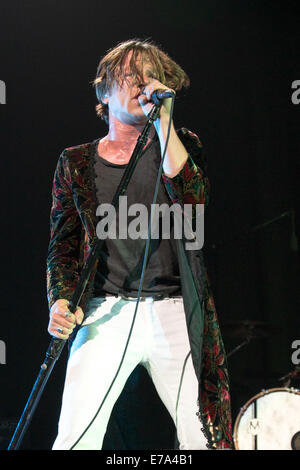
x=56 y=345
x=239 y=346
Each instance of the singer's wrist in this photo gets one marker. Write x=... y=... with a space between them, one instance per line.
x=176 y=154
x=161 y=128
x=162 y=122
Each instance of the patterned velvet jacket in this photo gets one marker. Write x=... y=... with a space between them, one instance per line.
x=73 y=230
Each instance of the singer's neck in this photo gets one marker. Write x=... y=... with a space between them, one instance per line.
x=124 y=132
x=117 y=146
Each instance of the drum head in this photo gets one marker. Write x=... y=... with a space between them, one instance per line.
x=269 y=421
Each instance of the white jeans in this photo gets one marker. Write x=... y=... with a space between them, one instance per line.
x=159 y=341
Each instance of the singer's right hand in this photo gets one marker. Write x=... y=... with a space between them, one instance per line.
x=62 y=322
x=144 y=99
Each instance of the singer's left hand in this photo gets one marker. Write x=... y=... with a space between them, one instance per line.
x=146 y=103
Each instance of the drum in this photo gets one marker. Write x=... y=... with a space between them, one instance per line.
x=269 y=421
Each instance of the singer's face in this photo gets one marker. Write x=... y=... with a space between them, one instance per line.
x=122 y=99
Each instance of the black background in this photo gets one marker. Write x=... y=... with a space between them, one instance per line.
x=242 y=58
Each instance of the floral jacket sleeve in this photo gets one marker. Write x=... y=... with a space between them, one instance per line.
x=191 y=185
x=65 y=230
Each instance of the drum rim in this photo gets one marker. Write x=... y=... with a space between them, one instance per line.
x=258 y=395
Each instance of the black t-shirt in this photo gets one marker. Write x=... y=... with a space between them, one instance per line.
x=121 y=260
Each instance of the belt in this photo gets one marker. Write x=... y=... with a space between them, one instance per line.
x=142 y=298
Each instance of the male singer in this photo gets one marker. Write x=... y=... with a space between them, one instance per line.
x=175 y=335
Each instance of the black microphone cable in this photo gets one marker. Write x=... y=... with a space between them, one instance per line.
x=146 y=253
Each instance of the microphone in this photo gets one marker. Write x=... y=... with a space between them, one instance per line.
x=159 y=95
